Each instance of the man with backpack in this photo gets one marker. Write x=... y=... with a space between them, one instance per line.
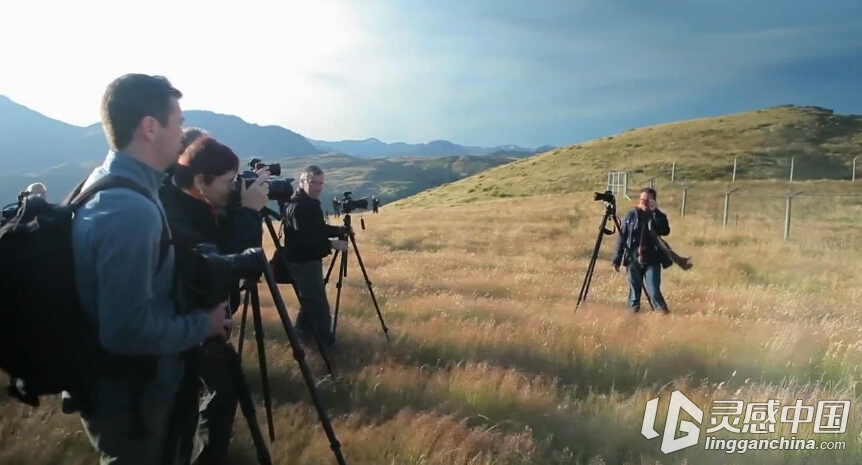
x=124 y=271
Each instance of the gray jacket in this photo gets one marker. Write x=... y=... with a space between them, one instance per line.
x=115 y=239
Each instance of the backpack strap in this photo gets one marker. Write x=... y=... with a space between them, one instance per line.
x=80 y=196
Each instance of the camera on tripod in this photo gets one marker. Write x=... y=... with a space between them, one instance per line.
x=610 y=215
x=9 y=211
x=606 y=196
x=280 y=190
x=348 y=204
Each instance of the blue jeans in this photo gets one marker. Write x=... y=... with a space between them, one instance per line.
x=649 y=277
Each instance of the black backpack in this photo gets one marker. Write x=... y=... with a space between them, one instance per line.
x=48 y=344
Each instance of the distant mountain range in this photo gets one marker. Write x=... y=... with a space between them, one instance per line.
x=439 y=148
x=35 y=147
x=31 y=141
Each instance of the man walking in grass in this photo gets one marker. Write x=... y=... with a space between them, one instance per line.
x=637 y=249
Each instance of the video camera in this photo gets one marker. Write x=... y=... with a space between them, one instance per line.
x=348 y=204
x=280 y=190
x=11 y=210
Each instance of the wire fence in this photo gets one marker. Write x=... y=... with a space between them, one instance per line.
x=774 y=208
x=742 y=168
x=797 y=214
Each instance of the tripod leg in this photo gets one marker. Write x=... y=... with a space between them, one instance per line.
x=368 y=283
x=242 y=324
x=342 y=272
x=648 y=297
x=261 y=356
x=331 y=265
x=299 y=355
x=585 y=287
x=246 y=404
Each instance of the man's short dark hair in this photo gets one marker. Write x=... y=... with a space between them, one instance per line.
x=129 y=99
x=650 y=191
x=192 y=134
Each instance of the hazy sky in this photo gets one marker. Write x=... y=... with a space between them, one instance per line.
x=483 y=72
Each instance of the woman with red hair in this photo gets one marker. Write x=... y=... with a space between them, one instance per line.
x=206 y=206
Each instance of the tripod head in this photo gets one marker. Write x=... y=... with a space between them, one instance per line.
x=347 y=223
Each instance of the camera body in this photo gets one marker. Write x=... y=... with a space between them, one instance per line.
x=348 y=204
x=256 y=164
x=210 y=276
x=10 y=211
x=608 y=198
x=280 y=190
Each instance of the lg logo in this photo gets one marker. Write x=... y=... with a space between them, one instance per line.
x=678 y=402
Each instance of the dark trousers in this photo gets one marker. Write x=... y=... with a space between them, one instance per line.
x=649 y=277
x=220 y=413
x=314 y=313
x=130 y=423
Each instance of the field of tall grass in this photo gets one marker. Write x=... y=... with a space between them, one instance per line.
x=489 y=362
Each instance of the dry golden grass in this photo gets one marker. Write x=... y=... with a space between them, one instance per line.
x=490 y=364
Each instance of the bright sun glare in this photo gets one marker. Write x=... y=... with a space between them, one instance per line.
x=272 y=49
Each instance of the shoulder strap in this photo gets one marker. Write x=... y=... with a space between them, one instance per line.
x=80 y=196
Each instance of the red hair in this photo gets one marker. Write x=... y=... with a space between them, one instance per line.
x=205 y=156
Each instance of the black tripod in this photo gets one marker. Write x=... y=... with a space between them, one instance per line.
x=342 y=273
x=610 y=213
x=298 y=353
x=251 y=291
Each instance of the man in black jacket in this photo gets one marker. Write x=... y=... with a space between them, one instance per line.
x=307 y=242
x=636 y=249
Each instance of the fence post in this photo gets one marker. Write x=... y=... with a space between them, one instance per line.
x=734 y=169
x=787 y=209
x=673 y=171
x=651 y=184
x=726 y=205
x=792 y=159
x=682 y=204
x=853 y=178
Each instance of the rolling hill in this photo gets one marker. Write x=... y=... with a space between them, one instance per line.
x=375 y=148
x=821 y=144
x=388 y=178
x=34 y=147
x=32 y=142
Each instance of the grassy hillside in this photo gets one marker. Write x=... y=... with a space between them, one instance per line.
x=823 y=146
x=391 y=178
x=388 y=178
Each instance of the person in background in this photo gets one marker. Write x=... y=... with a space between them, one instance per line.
x=307 y=241
x=637 y=249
